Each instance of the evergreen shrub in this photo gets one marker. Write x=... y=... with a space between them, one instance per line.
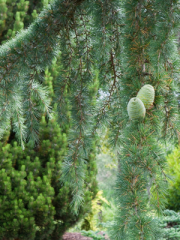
x=173 y=173
x=33 y=202
x=94 y=219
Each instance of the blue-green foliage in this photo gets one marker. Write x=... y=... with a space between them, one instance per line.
x=170 y=225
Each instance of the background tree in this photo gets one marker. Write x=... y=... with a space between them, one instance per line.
x=131 y=43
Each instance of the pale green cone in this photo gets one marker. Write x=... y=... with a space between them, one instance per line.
x=136 y=109
x=147 y=95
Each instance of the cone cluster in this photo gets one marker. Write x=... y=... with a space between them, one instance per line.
x=144 y=100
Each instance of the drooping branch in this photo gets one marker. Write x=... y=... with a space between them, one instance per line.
x=30 y=52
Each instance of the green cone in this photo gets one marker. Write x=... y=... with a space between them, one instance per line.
x=136 y=109
x=147 y=94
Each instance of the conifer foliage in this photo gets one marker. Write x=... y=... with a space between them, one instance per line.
x=33 y=202
x=148 y=43
x=173 y=172
x=126 y=44
x=40 y=204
